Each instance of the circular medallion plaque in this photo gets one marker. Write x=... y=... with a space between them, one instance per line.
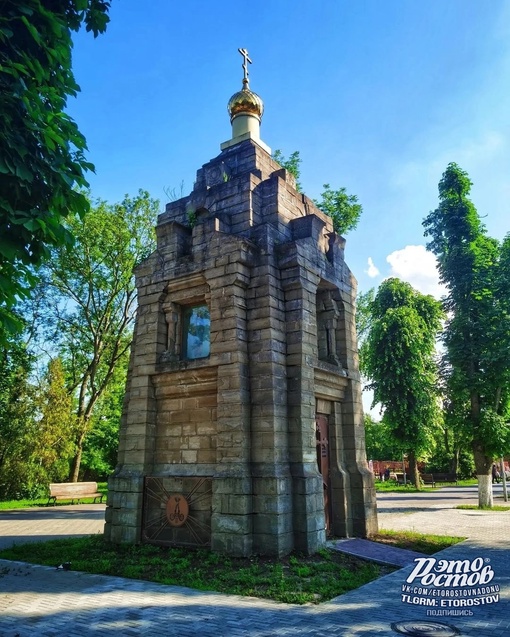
x=177 y=509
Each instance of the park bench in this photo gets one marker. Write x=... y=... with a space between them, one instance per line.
x=399 y=477
x=74 y=491
x=428 y=478
x=438 y=478
x=446 y=478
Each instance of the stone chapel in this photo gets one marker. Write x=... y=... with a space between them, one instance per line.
x=242 y=427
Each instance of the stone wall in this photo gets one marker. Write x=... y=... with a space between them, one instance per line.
x=271 y=271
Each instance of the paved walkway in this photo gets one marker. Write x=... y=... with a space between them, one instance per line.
x=38 y=601
x=376 y=551
x=19 y=526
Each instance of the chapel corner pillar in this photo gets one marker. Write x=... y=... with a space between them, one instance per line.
x=300 y=289
x=271 y=478
x=231 y=522
x=124 y=507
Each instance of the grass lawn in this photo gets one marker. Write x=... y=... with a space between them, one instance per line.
x=102 y=487
x=484 y=508
x=421 y=542
x=390 y=486
x=294 y=579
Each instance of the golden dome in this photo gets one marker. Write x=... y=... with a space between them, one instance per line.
x=245 y=102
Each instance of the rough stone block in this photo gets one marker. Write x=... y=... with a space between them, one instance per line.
x=258 y=253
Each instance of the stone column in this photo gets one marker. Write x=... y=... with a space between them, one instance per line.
x=232 y=489
x=362 y=490
x=300 y=286
x=341 y=522
x=272 y=484
x=136 y=445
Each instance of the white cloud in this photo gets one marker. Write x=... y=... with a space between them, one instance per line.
x=415 y=265
x=372 y=271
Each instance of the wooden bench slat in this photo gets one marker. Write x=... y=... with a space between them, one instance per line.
x=428 y=478
x=74 y=490
x=436 y=478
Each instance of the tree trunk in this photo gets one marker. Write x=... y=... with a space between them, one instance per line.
x=75 y=465
x=454 y=463
x=413 y=470
x=483 y=466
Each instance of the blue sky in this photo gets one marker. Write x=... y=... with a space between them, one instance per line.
x=377 y=95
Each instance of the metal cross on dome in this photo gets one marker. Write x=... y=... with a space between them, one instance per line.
x=246 y=59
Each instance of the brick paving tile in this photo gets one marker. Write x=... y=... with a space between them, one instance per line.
x=37 y=601
x=376 y=552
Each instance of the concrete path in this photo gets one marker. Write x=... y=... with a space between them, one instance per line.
x=38 y=601
x=19 y=526
x=436 y=513
x=375 y=551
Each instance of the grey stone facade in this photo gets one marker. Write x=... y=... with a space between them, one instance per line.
x=234 y=433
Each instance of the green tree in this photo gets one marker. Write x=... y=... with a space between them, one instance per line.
x=90 y=300
x=53 y=445
x=401 y=363
x=476 y=273
x=343 y=209
x=41 y=149
x=364 y=302
x=453 y=442
x=102 y=443
x=379 y=440
x=16 y=417
x=292 y=165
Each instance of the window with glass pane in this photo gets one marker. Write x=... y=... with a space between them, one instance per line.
x=196 y=342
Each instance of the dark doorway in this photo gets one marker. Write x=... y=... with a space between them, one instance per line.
x=322 y=442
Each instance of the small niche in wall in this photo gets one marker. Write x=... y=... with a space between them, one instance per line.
x=196 y=332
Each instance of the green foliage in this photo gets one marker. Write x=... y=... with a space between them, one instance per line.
x=101 y=444
x=36 y=427
x=379 y=440
x=297 y=579
x=343 y=209
x=482 y=508
x=89 y=302
x=191 y=215
x=420 y=542
x=42 y=159
x=84 y=309
x=53 y=445
x=494 y=430
x=443 y=460
x=292 y=165
x=400 y=361
x=476 y=271
x=16 y=419
x=364 y=302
